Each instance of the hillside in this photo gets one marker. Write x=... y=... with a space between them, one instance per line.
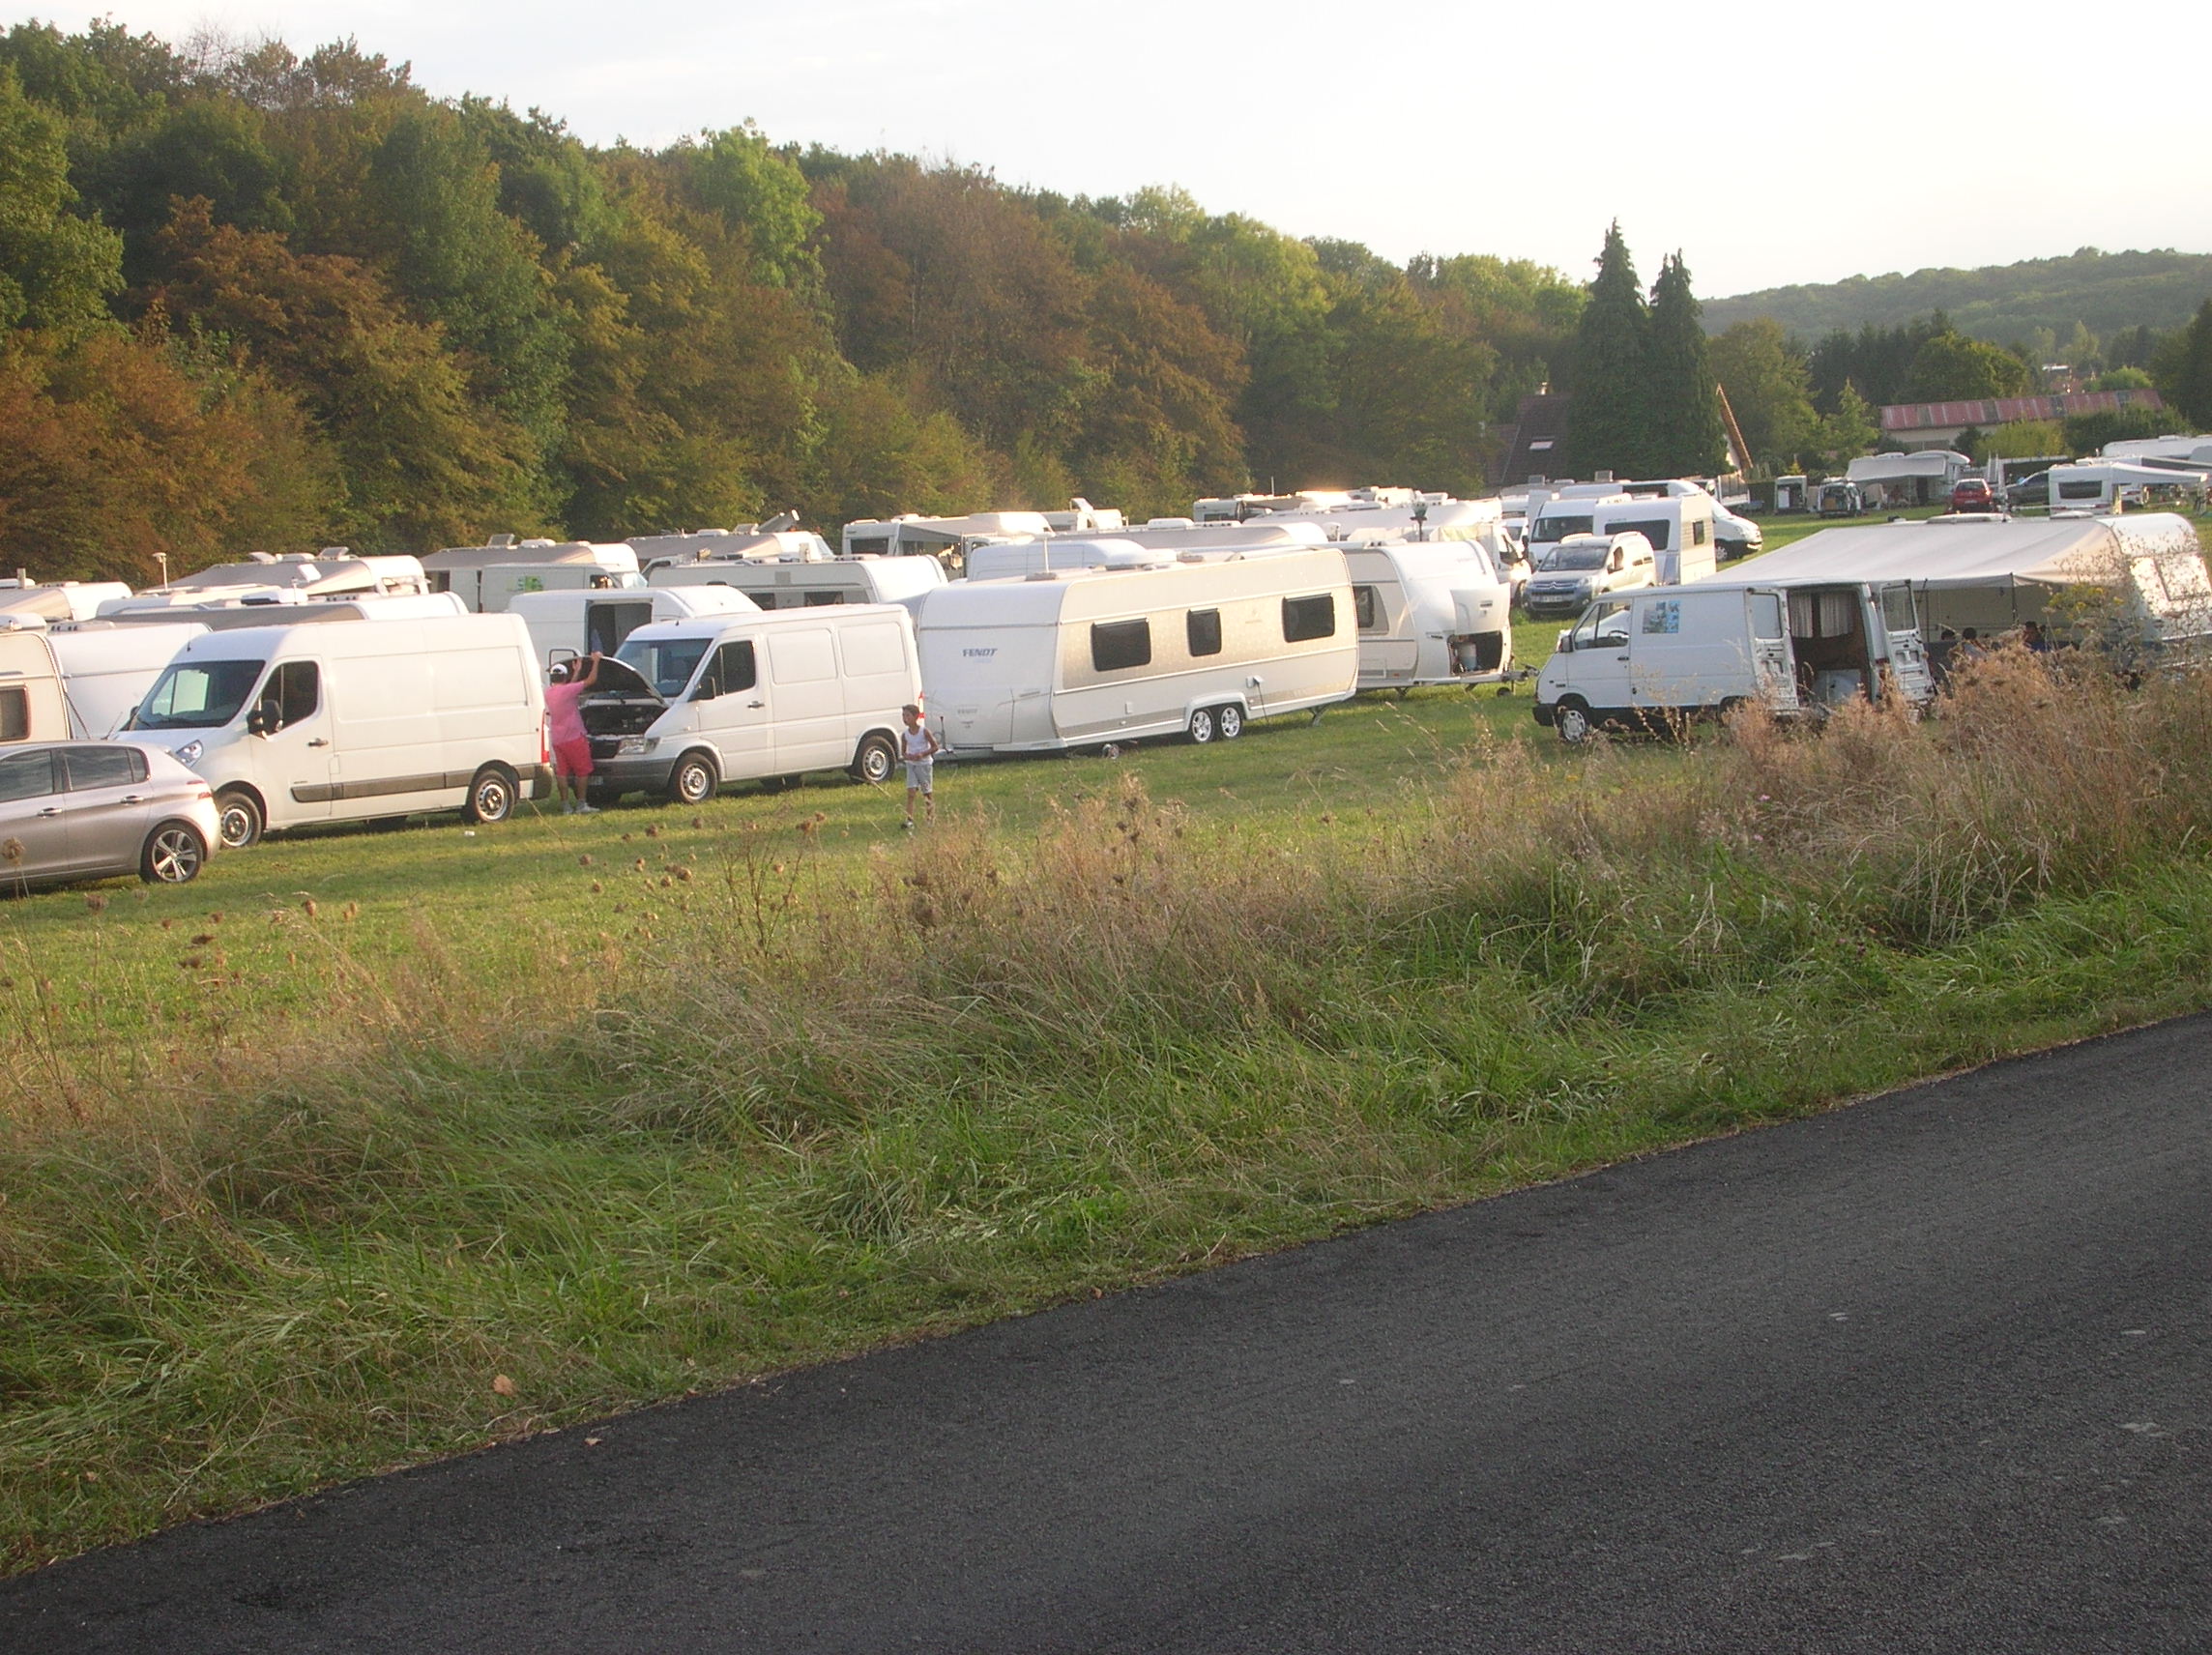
x=2108 y=292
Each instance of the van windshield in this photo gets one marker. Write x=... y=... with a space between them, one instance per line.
x=1556 y=526
x=1564 y=558
x=665 y=663
x=197 y=695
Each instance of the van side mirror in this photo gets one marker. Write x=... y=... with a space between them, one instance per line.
x=1566 y=644
x=709 y=688
x=263 y=720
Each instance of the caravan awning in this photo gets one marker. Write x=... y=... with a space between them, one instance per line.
x=2053 y=551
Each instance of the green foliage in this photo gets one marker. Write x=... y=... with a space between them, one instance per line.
x=761 y=193
x=2109 y=294
x=1950 y=367
x=1686 y=437
x=2184 y=373
x=1609 y=421
x=2023 y=438
x=1842 y=436
x=2086 y=433
x=56 y=269
x=1770 y=385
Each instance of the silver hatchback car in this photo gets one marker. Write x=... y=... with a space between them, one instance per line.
x=79 y=810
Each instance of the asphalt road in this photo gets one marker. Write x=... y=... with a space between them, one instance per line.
x=1927 y=1374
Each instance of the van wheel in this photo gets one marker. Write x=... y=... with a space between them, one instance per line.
x=1201 y=726
x=239 y=819
x=1572 y=720
x=491 y=796
x=695 y=780
x=874 y=762
x=174 y=855
x=1229 y=721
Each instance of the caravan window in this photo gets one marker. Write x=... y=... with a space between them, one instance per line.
x=870 y=545
x=1700 y=532
x=823 y=599
x=1202 y=630
x=198 y=695
x=1308 y=617
x=1656 y=530
x=2086 y=489
x=15 y=713
x=27 y=775
x=1366 y=613
x=1119 y=645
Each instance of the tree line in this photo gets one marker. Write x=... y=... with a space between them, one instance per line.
x=254 y=300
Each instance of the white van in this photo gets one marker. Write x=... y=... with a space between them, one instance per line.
x=1091 y=656
x=1645 y=657
x=340 y=721
x=565 y=625
x=1436 y=612
x=107 y=670
x=686 y=705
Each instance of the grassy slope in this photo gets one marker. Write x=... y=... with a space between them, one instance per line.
x=476 y=1147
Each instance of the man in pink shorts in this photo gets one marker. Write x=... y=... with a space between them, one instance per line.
x=571 y=742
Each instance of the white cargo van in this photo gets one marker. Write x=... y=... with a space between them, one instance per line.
x=107 y=670
x=1645 y=657
x=1097 y=655
x=1436 y=612
x=344 y=720
x=688 y=705
x=565 y=625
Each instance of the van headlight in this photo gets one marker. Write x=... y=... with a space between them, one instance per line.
x=189 y=753
x=631 y=746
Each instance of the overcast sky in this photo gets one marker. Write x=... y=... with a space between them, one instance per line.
x=1770 y=144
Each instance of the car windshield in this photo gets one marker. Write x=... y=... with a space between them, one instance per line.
x=1568 y=560
x=197 y=695
x=665 y=663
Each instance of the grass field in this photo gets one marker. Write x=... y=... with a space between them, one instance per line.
x=372 y=1146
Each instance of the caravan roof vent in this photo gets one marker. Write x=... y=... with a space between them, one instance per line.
x=501 y=540
x=1042 y=575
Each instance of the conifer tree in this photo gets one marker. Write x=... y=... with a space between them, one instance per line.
x=1683 y=436
x=2189 y=385
x=1606 y=421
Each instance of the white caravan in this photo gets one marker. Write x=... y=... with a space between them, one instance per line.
x=2106 y=486
x=1093 y=656
x=946 y=538
x=31 y=706
x=107 y=670
x=808 y=582
x=341 y=722
x=1433 y=612
x=723 y=545
x=689 y=705
x=1648 y=658
x=484 y=577
x=565 y=625
x=225 y=608
x=1136 y=548
x=332 y=572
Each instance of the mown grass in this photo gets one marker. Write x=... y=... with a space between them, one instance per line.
x=499 y=1151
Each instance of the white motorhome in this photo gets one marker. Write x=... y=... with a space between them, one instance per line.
x=1650 y=657
x=808 y=582
x=565 y=625
x=107 y=670
x=1098 y=656
x=31 y=706
x=689 y=705
x=484 y=577
x=1429 y=613
x=346 y=720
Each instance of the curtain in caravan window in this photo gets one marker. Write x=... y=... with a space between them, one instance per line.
x=1823 y=613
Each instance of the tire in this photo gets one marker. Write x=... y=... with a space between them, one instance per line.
x=492 y=793
x=875 y=760
x=1201 y=726
x=239 y=819
x=1571 y=718
x=1229 y=721
x=174 y=855
x=695 y=779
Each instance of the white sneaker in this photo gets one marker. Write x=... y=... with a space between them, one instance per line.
x=587 y=810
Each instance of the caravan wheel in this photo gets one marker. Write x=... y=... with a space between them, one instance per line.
x=1201 y=726
x=1230 y=720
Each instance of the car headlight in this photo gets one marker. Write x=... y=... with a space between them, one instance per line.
x=634 y=744
x=189 y=753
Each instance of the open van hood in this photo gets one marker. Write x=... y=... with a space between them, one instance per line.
x=620 y=677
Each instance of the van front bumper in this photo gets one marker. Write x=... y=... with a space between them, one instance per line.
x=635 y=772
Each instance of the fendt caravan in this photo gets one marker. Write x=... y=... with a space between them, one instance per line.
x=688 y=705
x=1649 y=657
x=565 y=625
x=346 y=720
x=1093 y=656
x=1430 y=613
